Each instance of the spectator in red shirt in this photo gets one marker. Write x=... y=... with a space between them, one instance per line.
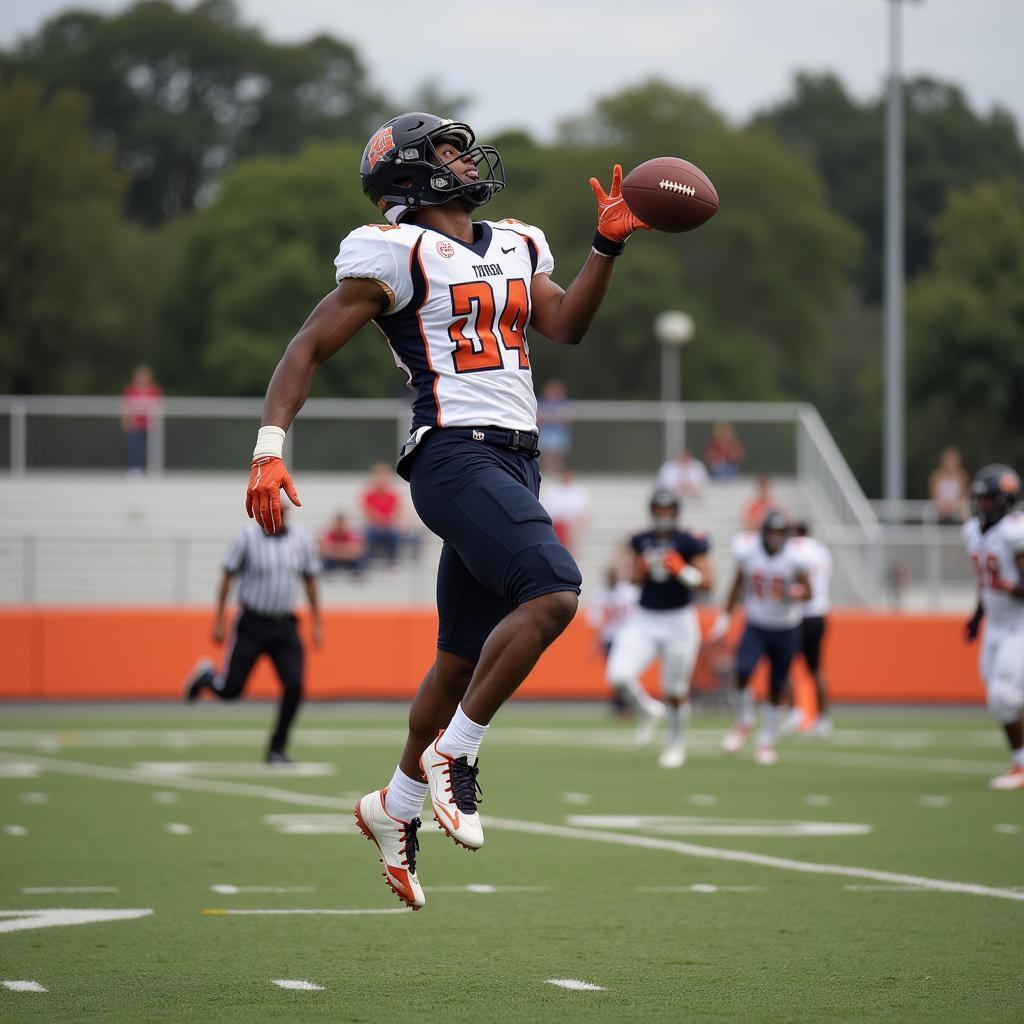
x=342 y=547
x=140 y=403
x=382 y=512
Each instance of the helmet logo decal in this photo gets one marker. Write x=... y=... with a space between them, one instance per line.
x=380 y=145
x=1009 y=483
x=446 y=249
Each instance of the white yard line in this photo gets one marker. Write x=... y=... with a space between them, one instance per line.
x=575 y=985
x=288 y=912
x=301 y=986
x=224 y=787
x=887 y=762
x=743 y=857
x=23 y=986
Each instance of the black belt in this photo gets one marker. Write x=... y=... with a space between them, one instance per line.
x=516 y=440
x=276 y=617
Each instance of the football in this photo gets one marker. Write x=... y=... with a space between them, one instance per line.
x=670 y=194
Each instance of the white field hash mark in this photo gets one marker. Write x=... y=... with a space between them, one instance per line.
x=301 y=986
x=83 y=769
x=16 y=830
x=224 y=889
x=24 y=986
x=176 y=828
x=575 y=985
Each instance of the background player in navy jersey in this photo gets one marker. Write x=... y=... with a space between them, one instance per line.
x=772 y=574
x=455 y=299
x=669 y=564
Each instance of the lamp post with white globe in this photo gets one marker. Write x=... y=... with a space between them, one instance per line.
x=673 y=328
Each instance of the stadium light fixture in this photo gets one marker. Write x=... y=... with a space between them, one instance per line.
x=673 y=328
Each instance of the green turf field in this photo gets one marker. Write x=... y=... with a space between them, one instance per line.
x=720 y=892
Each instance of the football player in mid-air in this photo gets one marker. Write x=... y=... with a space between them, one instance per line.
x=669 y=564
x=455 y=299
x=773 y=577
x=994 y=537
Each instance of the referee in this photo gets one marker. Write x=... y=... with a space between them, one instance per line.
x=268 y=567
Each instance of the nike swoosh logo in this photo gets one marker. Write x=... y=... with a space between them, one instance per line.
x=507 y=251
x=444 y=811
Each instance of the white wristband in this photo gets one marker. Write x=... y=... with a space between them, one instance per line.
x=269 y=441
x=691 y=576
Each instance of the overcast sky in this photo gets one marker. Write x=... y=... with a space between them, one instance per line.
x=531 y=62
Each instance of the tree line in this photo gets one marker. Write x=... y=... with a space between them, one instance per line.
x=177 y=185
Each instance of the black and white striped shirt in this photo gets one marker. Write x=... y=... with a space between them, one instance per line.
x=269 y=567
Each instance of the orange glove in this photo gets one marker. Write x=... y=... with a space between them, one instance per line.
x=615 y=220
x=262 y=498
x=674 y=562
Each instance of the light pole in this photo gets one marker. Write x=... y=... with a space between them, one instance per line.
x=673 y=329
x=895 y=388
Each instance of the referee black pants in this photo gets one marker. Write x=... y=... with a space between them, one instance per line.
x=278 y=638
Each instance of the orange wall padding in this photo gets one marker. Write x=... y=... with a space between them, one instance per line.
x=144 y=654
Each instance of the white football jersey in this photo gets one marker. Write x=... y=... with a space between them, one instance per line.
x=767 y=580
x=819 y=573
x=457 y=318
x=994 y=554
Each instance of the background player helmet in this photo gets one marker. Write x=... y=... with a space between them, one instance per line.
x=665 y=508
x=774 y=530
x=995 y=490
x=401 y=171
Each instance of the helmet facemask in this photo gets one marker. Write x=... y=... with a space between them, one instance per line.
x=402 y=169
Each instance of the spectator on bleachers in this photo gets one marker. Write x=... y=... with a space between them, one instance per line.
x=140 y=402
x=554 y=414
x=568 y=503
x=760 y=505
x=382 y=513
x=684 y=475
x=947 y=487
x=724 y=452
x=342 y=546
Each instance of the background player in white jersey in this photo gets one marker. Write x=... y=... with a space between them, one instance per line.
x=669 y=564
x=814 y=625
x=994 y=537
x=454 y=298
x=610 y=608
x=774 y=580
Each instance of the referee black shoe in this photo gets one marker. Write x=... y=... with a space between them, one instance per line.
x=199 y=679
x=277 y=757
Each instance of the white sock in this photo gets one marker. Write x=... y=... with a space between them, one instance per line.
x=405 y=796
x=769 y=723
x=463 y=736
x=747 y=712
x=675 y=720
x=1018 y=757
x=634 y=692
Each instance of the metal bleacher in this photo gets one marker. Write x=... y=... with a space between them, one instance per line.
x=106 y=538
x=76 y=529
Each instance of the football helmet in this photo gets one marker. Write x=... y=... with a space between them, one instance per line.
x=774 y=530
x=401 y=171
x=665 y=508
x=995 y=489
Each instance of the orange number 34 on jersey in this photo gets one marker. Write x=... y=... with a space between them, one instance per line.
x=475 y=300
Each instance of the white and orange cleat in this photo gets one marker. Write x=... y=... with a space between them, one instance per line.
x=734 y=739
x=1013 y=779
x=454 y=794
x=397 y=843
x=765 y=754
